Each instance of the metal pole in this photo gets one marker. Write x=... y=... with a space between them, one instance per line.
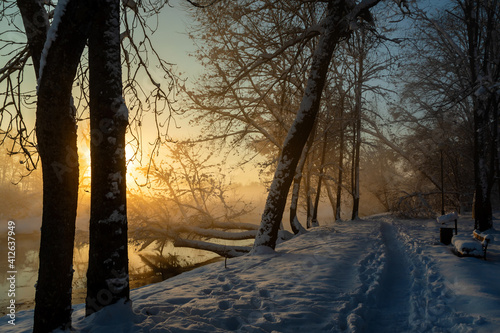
x=442 y=183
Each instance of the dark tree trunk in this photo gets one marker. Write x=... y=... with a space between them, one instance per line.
x=294 y=221
x=483 y=179
x=357 y=132
x=360 y=44
x=301 y=128
x=309 y=204
x=57 y=146
x=341 y=160
x=315 y=222
x=482 y=101
x=107 y=275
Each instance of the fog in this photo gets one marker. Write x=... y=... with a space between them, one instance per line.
x=22 y=203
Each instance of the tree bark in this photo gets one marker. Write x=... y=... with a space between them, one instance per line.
x=357 y=134
x=57 y=146
x=341 y=160
x=301 y=128
x=482 y=98
x=294 y=221
x=107 y=275
x=315 y=222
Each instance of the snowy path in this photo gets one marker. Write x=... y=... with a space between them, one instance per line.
x=391 y=308
x=376 y=275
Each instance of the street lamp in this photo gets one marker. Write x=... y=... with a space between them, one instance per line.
x=441 y=146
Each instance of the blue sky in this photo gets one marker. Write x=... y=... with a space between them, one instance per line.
x=172 y=40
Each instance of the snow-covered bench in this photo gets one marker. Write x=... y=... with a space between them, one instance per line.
x=475 y=246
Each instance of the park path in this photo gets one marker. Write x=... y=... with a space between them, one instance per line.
x=390 y=305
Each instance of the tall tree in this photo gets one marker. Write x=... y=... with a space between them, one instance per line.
x=449 y=104
x=483 y=45
x=294 y=220
x=338 y=202
x=57 y=146
x=107 y=275
x=64 y=45
x=335 y=26
x=359 y=72
x=321 y=176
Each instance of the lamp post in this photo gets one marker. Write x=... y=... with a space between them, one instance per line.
x=442 y=178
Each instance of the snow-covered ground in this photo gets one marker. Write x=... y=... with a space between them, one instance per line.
x=377 y=275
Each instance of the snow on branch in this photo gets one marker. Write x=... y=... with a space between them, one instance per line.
x=52 y=34
x=227 y=251
x=234 y=225
x=221 y=234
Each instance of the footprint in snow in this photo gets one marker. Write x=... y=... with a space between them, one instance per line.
x=224 y=305
x=264 y=293
x=227 y=287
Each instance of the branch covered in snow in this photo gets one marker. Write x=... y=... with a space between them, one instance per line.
x=212 y=233
x=228 y=251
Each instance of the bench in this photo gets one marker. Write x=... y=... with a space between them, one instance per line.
x=484 y=239
x=475 y=246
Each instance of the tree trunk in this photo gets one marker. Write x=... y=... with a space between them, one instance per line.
x=341 y=160
x=107 y=275
x=308 y=190
x=482 y=204
x=294 y=221
x=357 y=140
x=301 y=128
x=57 y=146
x=320 y=180
x=483 y=168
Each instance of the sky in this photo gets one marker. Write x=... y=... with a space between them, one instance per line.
x=172 y=44
x=172 y=40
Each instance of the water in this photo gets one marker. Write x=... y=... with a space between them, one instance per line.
x=27 y=246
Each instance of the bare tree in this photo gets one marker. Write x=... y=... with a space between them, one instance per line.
x=336 y=26
x=444 y=114
x=57 y=146
x=54 y=126
x=483 y=49
x=107 y=276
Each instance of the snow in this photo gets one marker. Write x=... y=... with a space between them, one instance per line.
x=122 y=110
x=380 y=274
x=444 y=219
x=467 y=245
x=52 y=34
